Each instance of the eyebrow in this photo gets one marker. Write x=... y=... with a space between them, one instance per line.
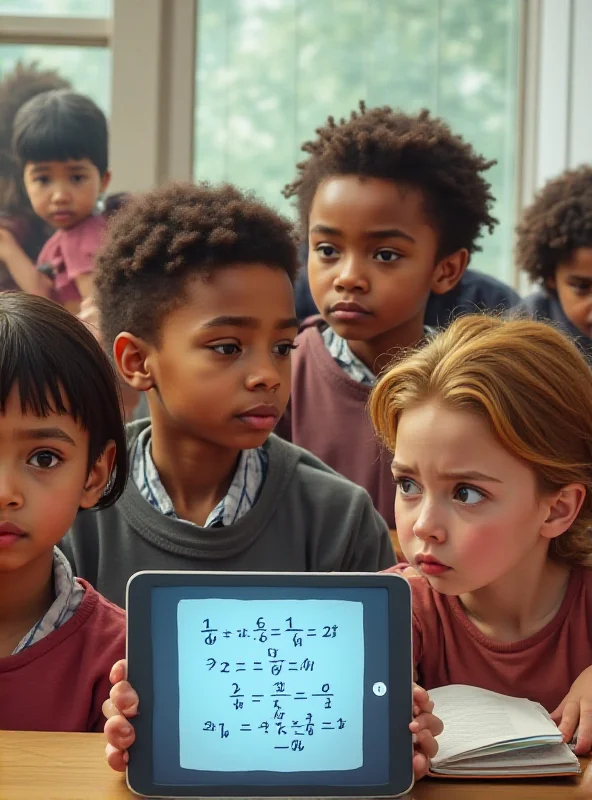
x=386 y=233
x=583 y=278
x=45 y=433
x=472 y=475
x=248 y=322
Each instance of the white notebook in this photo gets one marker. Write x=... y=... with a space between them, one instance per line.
x=490 y=735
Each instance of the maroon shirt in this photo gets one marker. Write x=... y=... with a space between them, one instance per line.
x=448 y=648
x=61 y=682
x=327 y=415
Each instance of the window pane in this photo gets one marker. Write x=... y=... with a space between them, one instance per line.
x=270 y=71
x=58 y=8
x=87 y=68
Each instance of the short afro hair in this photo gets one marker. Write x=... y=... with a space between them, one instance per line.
x=160 y=239
x=415 y=150
x=558 y=221
x=60 y=125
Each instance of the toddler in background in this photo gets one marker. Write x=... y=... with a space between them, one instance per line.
x=61 y=140
x=554 y=248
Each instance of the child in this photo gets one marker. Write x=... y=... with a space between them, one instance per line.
x=16 y=215
x=194 y=289
x=62 y=447
x=490 y=426
x=61 y=139
x=554 y=248
x=392 y=206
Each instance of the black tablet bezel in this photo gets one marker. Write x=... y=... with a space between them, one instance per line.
x=139 y=655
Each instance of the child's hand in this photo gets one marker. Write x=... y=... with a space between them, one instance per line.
x=123 y=703
x=8 y=244
x=575 y=712
x=89 y=314
x=425 y=727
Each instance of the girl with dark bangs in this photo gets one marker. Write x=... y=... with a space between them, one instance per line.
x=62 y=448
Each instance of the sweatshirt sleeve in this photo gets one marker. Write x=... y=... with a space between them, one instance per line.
x=372 y=550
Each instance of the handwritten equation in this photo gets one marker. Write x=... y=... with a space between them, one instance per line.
x=271 y=685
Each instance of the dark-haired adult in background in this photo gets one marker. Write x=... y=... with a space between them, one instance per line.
x=392 y=206
x=554 y=248
x=61 y=141
x=16 y=215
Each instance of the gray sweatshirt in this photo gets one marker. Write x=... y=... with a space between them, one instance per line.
x=306 y=519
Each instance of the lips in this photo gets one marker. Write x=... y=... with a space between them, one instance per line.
x=348 y=312
x=61 y=216
x=430 y=565
x=9 y=534
x=262 y=417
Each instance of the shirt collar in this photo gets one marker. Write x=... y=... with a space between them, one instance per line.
x=341 y=352
x=242 y=495
x=68 y=596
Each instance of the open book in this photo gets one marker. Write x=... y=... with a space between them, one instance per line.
x=490 y=735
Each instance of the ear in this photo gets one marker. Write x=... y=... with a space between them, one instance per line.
x=449 y=271
x=130 y=354
x=105 y=181
x=551 y=283
x=98 y=477
x=564 y=507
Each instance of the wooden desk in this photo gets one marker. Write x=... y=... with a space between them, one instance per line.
x=70 y=766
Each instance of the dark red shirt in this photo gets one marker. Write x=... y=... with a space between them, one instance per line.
x=61 y=682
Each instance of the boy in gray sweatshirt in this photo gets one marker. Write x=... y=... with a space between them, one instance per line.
x=194 y=289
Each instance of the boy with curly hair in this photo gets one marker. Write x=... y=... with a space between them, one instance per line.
x=392 y=206
x=554 y=248
x=194 y=289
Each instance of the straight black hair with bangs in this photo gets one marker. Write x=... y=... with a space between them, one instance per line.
x=61 y=125
x=59 y=367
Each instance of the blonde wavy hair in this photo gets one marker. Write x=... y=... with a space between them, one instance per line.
x=530 y=384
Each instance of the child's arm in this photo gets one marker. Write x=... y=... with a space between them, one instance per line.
x=124 y=701
x=575 y=712
x=24 y=273
x=85 y=285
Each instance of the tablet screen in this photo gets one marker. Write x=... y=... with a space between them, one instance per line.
x=260 y=686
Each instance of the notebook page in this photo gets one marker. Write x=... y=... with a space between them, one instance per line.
x=476 y=718
x=555 y=755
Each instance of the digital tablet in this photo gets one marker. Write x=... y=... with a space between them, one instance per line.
x=270 y=685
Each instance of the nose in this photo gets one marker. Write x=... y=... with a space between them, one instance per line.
x=429 y=525
x=264 y=374
x=10 y=495
x=352 y=276
x=60 y=193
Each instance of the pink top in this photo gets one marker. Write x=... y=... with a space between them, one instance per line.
x=448 y=648
x=72 y=253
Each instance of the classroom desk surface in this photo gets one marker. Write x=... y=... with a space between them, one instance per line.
x=70 y=766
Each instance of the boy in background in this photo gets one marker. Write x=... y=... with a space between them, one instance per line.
x=194 y=289
x=392 y=205
x=554 y=248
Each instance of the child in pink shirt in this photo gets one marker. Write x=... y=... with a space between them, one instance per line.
x=490 y=426
x=61 y=140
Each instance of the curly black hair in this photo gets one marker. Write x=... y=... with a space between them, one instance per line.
x=415 y=150
x=558 y=221
x=158 y=240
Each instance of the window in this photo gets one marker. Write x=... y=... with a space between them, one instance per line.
x=58 y=8
x=87 y=68
x=270 y=71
